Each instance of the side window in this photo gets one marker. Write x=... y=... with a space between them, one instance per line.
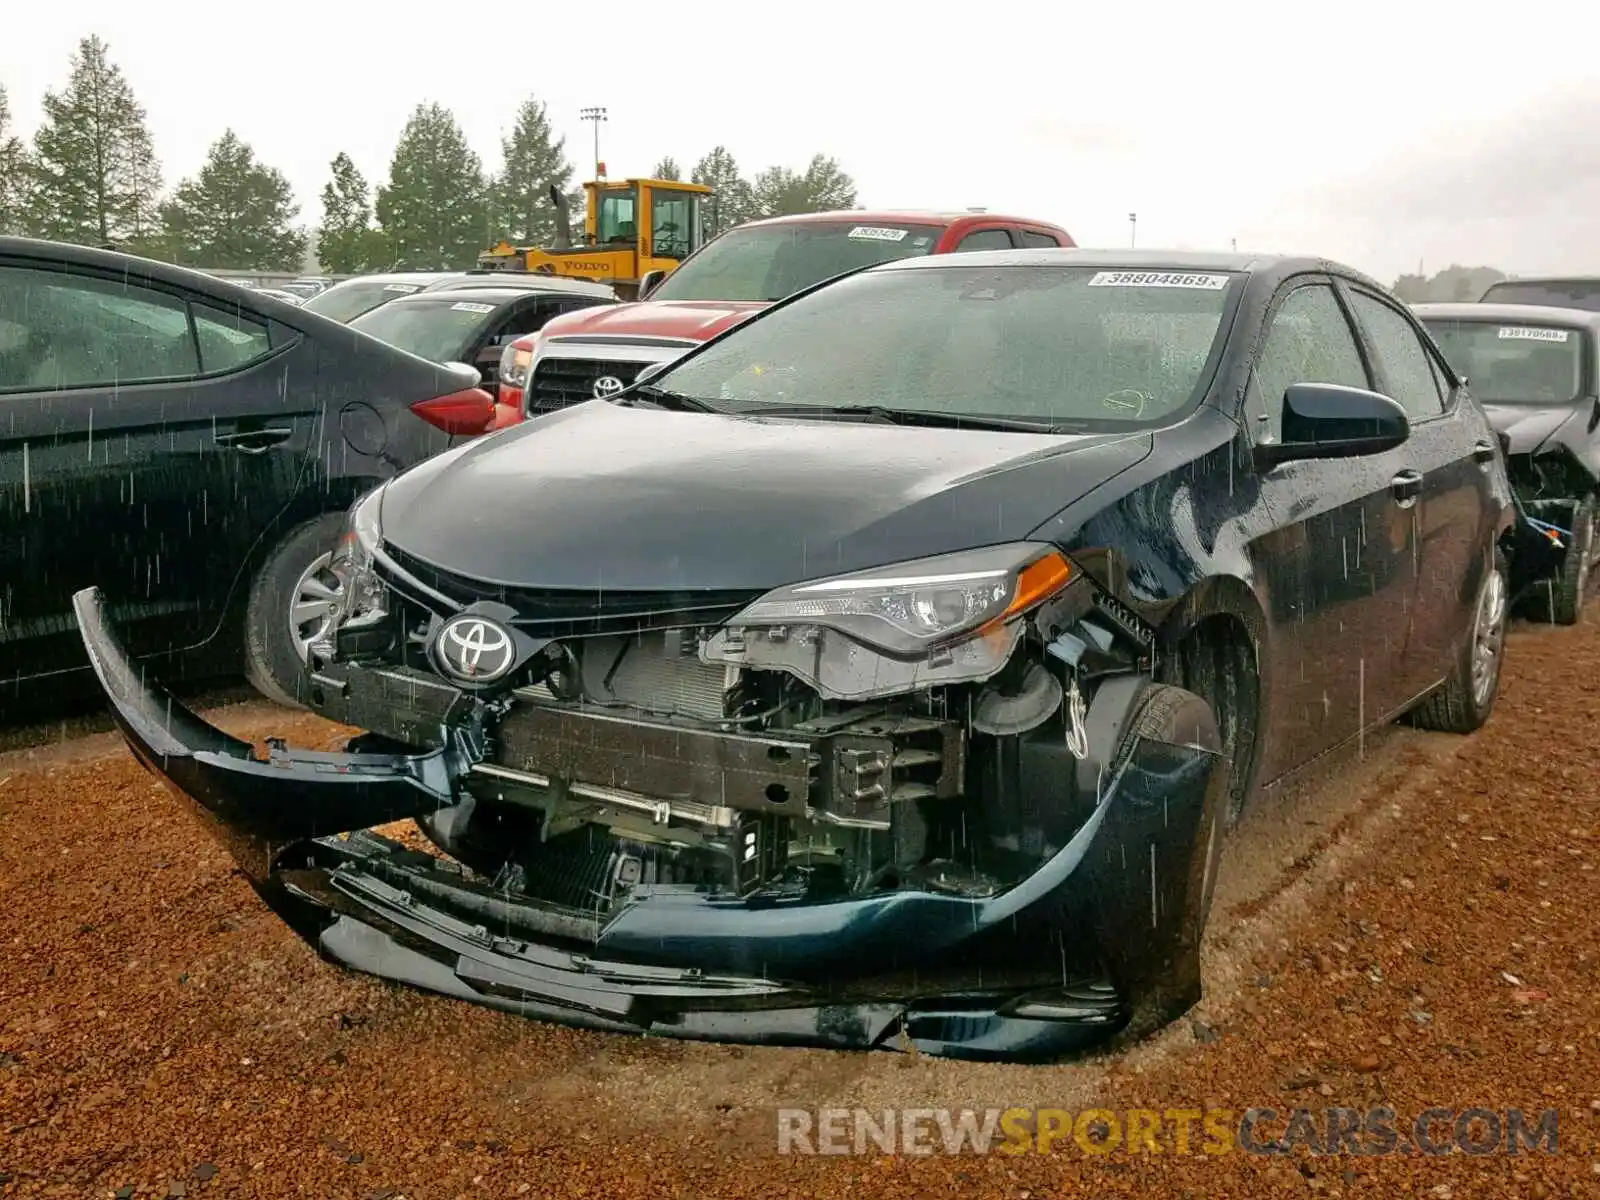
x=229 y=338
x=1407 y=368
x=985 y=239
x=1308 y=341
x=1032 y=239
x=59 y=330
x=670 y=221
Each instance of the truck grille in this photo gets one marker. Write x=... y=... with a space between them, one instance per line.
x=562 y=382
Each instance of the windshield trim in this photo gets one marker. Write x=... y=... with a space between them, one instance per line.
x=1205 y=380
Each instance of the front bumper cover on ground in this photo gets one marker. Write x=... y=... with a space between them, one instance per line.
x=1135 y=879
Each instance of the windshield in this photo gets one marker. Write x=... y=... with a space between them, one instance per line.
x=769 y=262
x=441 y=330
x=1063 y=345
x=1513 y=364
x=1553 y=293
x=349 y=300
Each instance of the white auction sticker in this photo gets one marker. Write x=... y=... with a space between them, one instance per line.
x=1163 y=279
x=1528 y=333
x=403 y=287
x=877 y=233
x=471 y=306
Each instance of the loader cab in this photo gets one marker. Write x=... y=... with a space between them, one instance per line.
x=661 y=219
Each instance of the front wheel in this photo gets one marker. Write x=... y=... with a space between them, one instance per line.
x=1467 y=698
x=1567 y=591
x=292 y=604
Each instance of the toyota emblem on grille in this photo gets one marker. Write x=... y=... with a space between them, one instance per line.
x=474 y=649
x=607 y=385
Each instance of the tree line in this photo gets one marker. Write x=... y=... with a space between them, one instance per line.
x=91 y=175
x=1454 y=283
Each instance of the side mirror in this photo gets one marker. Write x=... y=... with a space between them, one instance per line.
x=650 y=281
x=470 y=376
x=1326 y=420
x=650 y=371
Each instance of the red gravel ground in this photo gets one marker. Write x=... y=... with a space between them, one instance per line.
x=1418 y=931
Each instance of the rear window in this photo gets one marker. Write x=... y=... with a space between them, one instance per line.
x=440 y=329
x=1553 y=293
x=770 y=262
x=349 y=300
x=1511 y=363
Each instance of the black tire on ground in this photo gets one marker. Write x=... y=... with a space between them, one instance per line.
x=1567 y=590
x=1459 y=706
x=273 y=662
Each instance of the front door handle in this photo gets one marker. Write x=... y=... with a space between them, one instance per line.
x=254 y=441
x=1483 y=451
x=1406 y=486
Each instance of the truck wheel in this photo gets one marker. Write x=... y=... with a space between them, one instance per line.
x=290 y=606
x=1568 y=588
x=1467 y=698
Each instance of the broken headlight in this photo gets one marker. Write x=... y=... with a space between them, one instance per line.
x=948 y=619
x=363 y=599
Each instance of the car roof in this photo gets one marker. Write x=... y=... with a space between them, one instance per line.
x=487 y=294
x=897 y=216
x=1491 y=313
x=1546 y=279
x=527 y=280
x=1273 y=266
x=94 y=258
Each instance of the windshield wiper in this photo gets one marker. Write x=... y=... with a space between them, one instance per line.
x=668 y=399
x=906 y=416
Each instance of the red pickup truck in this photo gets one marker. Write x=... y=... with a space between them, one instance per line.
x=594 y=353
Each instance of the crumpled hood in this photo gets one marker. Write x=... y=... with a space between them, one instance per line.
x=699 y=320
x=606 y=496
x=1529 y=427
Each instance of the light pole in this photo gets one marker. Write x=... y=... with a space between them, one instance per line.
x=1133 y=230
x=596 y=114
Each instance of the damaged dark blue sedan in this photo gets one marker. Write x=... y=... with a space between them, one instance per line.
x=887 y=671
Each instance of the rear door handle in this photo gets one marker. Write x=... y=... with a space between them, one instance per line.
x=1483 y=451
x=1406 y=486
x=254 y=441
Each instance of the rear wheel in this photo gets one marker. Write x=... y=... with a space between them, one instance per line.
x=1567 y=590
x=1467 y=698
x=291 y=605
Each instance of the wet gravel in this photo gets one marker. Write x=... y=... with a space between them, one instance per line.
x=1417 y=929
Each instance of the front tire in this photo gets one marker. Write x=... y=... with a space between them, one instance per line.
x=1467 y=698
x=1567 y=591
x=290 y=606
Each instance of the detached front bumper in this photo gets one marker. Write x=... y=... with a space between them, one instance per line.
x=1134 y=880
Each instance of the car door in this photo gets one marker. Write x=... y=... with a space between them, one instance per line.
x=1452 y=452
x=1337 y=565
x=150 y=436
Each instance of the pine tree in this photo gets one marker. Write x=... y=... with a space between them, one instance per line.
x=533 y=160
x=14 y=173
x=733 y=203
x=667 y=168
x=95 y=177
x=236 y=214
x=347 y=244
x=433 y=209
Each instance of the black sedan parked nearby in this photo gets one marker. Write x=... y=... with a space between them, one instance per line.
x=474 y=324
x=886 y=670
x=189 y=446
x=1536 y=371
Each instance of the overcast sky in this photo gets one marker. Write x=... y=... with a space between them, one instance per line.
x=1368 y=132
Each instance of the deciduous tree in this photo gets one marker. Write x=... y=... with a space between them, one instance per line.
x=667 y=168
x=821 y=187
x=733 y=203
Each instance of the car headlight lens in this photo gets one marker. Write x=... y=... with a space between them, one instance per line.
x=910 y=609
x=514 y=361
x=364 y=600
